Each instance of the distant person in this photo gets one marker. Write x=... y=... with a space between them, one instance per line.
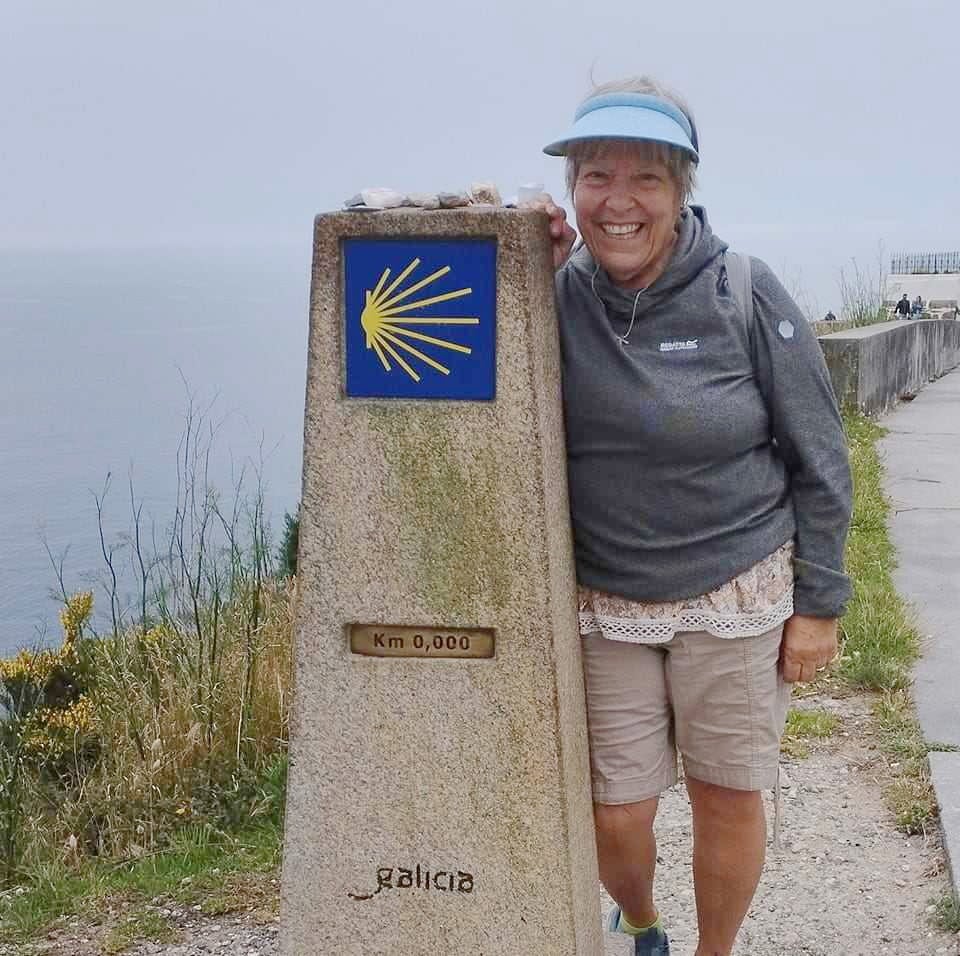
x=917 y=306
x=903 y=307
x=829 y=317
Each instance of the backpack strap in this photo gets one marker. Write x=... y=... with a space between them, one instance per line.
x=741 y=285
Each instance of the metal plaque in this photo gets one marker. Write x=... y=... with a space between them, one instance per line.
x=399 y=640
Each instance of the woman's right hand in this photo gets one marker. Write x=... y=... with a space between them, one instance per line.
x=562 y=235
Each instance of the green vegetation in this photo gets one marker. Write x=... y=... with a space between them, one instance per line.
x=432 y=484
x=909 y=793
x=144 y=776
x=880 y=640
x=141 y=924
x=146 y=756
x=289 y=545
x=828 y=328
x=879 y=644
x=804 y=725
x=946 y=913
x=200 y=867
x=843 y=325
x=113 y=742
x=862 y=288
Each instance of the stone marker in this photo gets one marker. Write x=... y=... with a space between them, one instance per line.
x=439 y=796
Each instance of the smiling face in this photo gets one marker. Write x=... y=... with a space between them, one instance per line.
x=628 y=205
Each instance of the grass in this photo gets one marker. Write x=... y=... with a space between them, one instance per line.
x=828 y=328
x=51 y=893
x=946 y=913
x=142 y=924
x=804 y=725
x=880 y=639
x=908 y=793
x=880 y=643
x=218 y=872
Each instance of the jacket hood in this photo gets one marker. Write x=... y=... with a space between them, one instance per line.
x=696 y=248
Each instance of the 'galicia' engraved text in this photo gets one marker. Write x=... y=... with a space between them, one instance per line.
x=419 y=877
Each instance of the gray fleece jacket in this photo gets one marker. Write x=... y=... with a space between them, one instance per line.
x=701 y=445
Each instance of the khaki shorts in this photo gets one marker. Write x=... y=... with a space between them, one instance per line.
x=720 y=701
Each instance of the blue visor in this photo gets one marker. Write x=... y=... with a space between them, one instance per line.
x=631 y=116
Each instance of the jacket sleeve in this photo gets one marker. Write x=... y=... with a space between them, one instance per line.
x=806 y=426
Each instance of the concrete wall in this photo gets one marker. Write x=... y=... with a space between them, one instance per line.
x=873 y=367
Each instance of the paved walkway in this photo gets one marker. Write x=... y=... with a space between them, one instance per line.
x=922 y=458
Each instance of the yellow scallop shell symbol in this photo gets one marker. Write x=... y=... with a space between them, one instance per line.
x=385 y=321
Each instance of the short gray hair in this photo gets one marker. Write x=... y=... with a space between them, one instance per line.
x=678 y=161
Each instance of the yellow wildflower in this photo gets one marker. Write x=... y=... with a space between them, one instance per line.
x=52 y=731
x=74 y=614
x=33 y=666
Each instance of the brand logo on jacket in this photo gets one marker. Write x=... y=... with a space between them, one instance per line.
x=680 y=345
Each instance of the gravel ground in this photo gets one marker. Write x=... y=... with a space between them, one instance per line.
x=844 y=881
x=231 y=937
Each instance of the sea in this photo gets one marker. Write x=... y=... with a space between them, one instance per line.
x=104 y=357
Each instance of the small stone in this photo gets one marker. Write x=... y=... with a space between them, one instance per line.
x=453 y=200
x=424 y=200
x=529 y=192
x=485 y=194
x=380 y=197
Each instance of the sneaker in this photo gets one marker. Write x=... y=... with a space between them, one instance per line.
x=651 y=942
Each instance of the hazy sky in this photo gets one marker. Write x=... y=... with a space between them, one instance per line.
x=826 y=128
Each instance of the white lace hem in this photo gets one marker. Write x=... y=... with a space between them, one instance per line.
x=639 y=630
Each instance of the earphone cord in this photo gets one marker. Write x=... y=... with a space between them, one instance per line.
x=633 y=315
x=625 y=338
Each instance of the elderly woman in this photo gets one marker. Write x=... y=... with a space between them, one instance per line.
x=710 y=497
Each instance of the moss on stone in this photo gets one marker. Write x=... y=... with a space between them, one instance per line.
x=451 y=513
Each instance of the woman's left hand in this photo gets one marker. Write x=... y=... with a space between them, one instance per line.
x=808 y=644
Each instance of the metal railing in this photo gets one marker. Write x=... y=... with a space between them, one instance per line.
x=925 y=263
